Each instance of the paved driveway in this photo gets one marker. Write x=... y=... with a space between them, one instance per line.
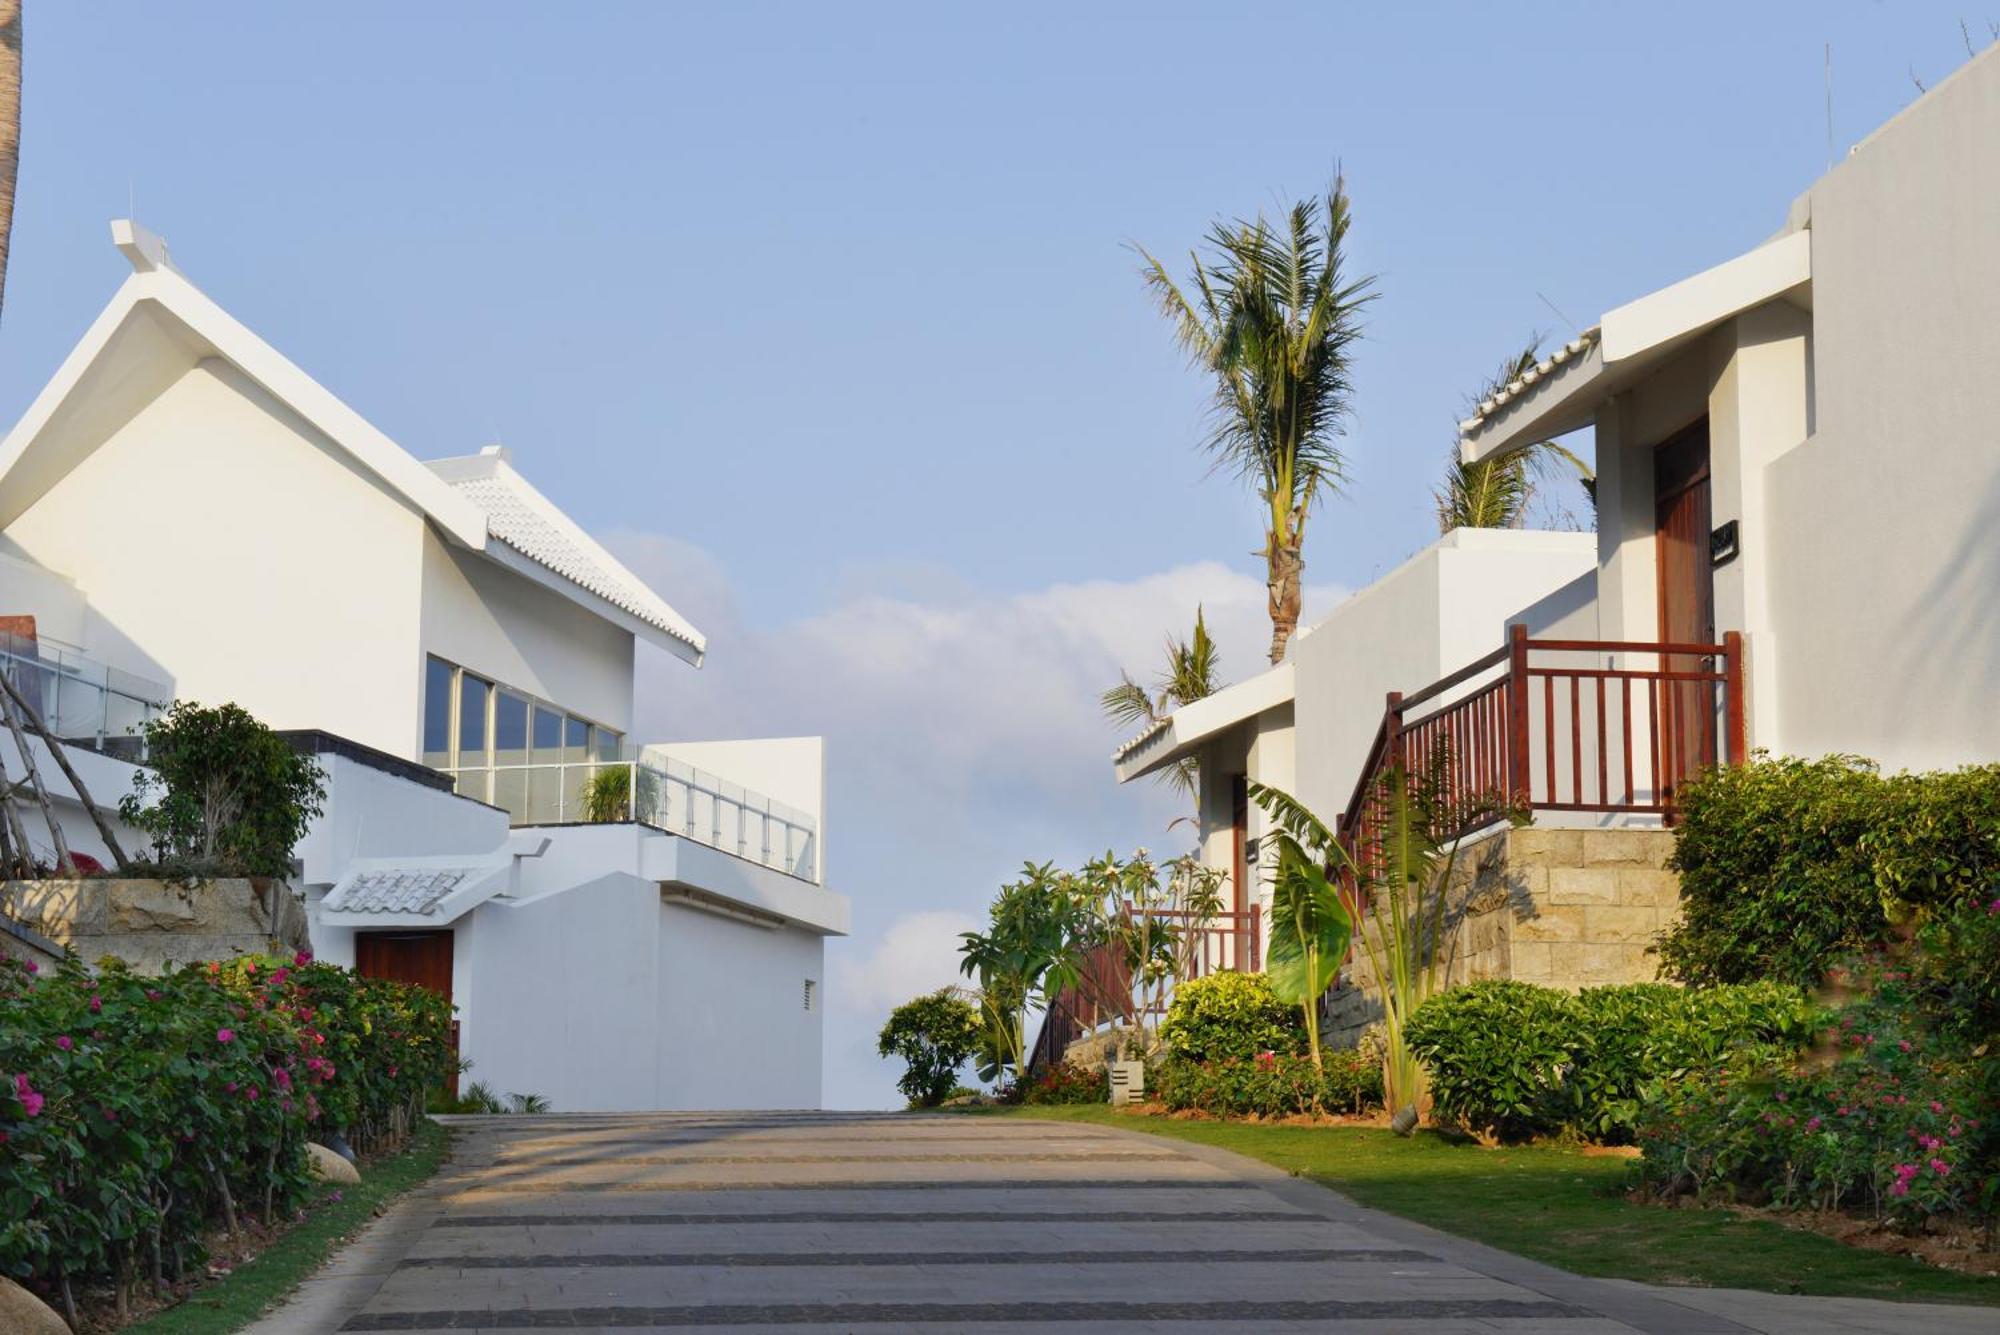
x=902 y=1223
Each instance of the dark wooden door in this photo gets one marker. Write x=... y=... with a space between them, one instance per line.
x=1687 y=601
x=422 y=958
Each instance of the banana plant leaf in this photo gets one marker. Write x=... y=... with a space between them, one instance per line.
x=1310 y=927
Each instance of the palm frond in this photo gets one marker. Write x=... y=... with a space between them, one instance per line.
x=1496 y=491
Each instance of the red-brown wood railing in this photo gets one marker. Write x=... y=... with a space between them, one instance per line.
x=1105 y=993
x=1607 y=726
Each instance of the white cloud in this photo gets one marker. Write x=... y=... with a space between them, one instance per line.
x=917 y=954
x=963 y=738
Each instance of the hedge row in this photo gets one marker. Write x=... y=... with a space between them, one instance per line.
x=1230 y=1016
x=136 y=1113
x=1787 y=866
x=1518 y=1060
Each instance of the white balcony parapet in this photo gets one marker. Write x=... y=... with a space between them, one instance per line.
x=84 y=702
x=664 y=794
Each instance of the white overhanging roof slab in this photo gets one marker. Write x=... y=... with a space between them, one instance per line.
x=1631 y=341
x=1178 y=735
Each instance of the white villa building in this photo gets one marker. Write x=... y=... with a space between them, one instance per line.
x=1798 y=550
x=185 y=514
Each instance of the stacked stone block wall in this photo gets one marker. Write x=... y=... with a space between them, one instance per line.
x=1562 y=908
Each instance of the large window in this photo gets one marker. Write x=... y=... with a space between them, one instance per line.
x=505 y=747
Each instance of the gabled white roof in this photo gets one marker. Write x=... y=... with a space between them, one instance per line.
x=1176 y=736
x=530 y=524
x=158 y=323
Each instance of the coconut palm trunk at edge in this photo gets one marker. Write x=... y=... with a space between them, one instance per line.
x=10 y=125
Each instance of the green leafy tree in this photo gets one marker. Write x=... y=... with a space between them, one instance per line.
x=224 y=795
x=1193 y=672
x=934 y=1035
x=1038 y=928
x=1271 y=314
x=1496 y=491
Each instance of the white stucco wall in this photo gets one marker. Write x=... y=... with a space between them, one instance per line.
x=1445 y=607
x=225 y=546
x=520 y=634
x=732 y=1024
x=1885 y=525
x=369 y=813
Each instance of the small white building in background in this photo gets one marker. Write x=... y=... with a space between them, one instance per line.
x=185 y=514
x=1306 y=725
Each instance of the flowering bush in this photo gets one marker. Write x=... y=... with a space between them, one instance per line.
x=1895 y=1115
x=1061 y=1082
x=1274 y=1085
x=137 y=1112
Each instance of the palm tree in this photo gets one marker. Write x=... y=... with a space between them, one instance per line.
x=10 y=124
x=1495 y=492
x=1191 y=674
x=1272 y=319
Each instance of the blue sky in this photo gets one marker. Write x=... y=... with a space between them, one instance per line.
x=825 y=317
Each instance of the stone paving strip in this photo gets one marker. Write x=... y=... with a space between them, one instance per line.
x=891 y=1223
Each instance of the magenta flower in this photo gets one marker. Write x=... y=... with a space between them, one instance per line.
x=305 y=957
x=31 y=1102
x=1812 y=1123
x=96 y=1005
x=1899 y=1188
x=32 y=966
x=1940 y=1167
x=1937 y=1107
x=225 y=1035
x=65 y=1042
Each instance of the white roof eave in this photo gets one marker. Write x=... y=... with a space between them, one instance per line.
x=1563 y=394
x=1178 y=735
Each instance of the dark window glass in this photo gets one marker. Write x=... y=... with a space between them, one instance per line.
x=576 y=740
x=510 y=730
x=437 y=713
x=472 y=694
x=606 y=743
x=547 y=740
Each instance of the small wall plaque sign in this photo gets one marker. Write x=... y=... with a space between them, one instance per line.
x=1722 y=544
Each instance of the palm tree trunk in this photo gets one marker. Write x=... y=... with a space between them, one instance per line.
x=1287 y=565
x=10 y=124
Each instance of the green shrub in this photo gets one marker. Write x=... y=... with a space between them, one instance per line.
x=138 y=1113
x=1519 y=1060
x=1496 y=1054
x=1230 y=1016
x=1637 y=1037
x=1789 y=865
x=224 y=795
x=1269 y=1085
x=935 y=1035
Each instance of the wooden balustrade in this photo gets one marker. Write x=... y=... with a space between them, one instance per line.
x=1556 y=725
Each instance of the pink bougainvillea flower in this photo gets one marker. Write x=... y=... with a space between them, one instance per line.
x=1940 y=1167
x=281 y=1078
x=225 y=1035
x=31 y=1102
x=152 y=995
x=1899 y=1188
x=1937 y=1107
x=250 y=1092
x=1812 y=1123
x=65 y=1042
x=280 y=975
x=305 y=957
x=96 y=1005
x=32 y=967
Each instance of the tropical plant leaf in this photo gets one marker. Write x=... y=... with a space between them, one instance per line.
x=1310 y=927
x=1298 y=822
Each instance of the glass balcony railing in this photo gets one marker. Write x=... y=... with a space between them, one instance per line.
x=84 y=702
x=664 y=794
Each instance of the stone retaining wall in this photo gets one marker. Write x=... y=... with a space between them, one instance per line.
x=156 y=925
x=1563 y=908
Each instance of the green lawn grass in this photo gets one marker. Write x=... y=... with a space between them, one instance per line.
x=248 y=1291
x=1560 y=1206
